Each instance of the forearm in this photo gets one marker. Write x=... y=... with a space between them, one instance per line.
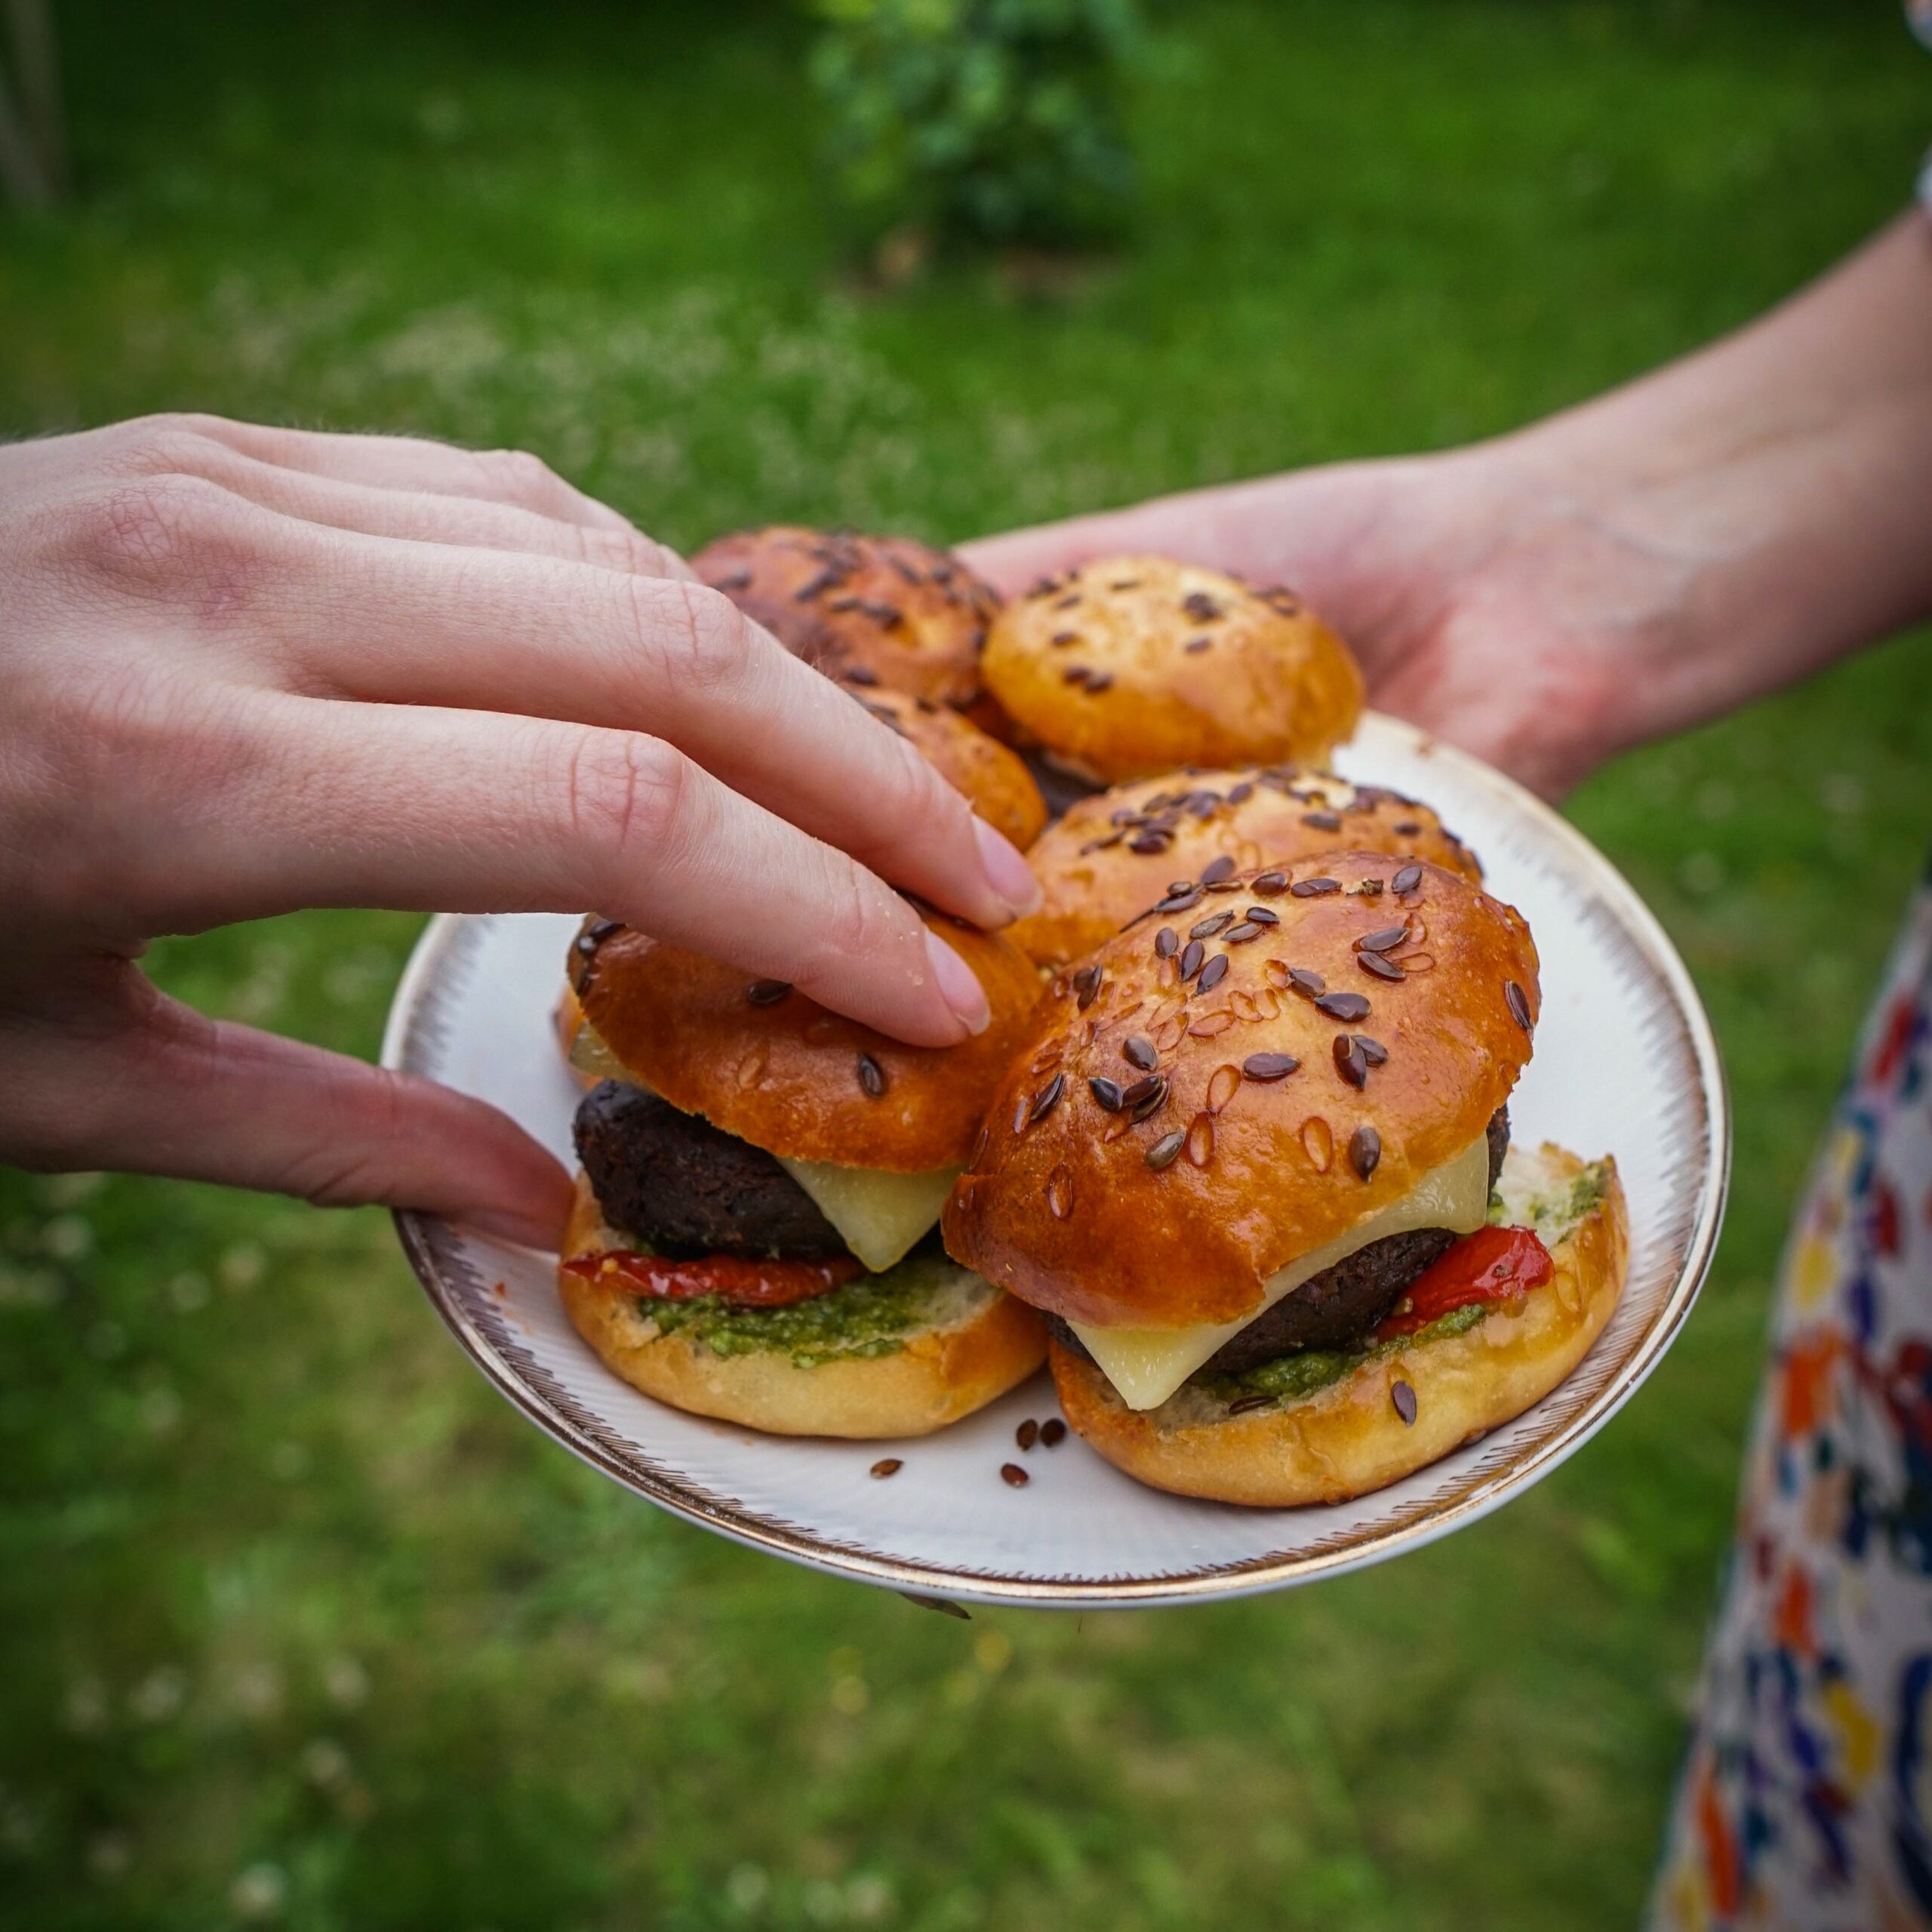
x=1776 y=488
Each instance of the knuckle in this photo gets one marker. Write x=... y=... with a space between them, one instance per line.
x=152 y=530
x=171 y=440
x=519 y=476
x=629 y=551
x=697 y=636
x=624 y=795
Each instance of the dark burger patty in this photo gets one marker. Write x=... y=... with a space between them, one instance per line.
x=689 y=1188
x=1336 y=1307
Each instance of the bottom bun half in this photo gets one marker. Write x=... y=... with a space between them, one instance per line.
x=978 y=1346
x=1348 y=1438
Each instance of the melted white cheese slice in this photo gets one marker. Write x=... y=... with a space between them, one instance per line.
x=1147 y=1365
x=879 y=1216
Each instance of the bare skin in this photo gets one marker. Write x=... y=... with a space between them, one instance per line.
x=247 y=670
x=1623 y=571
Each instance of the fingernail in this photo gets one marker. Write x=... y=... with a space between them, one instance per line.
x=958 y=987
x=1007 y=870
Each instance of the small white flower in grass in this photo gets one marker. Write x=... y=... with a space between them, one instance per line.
x=747 y=1887
x=258 y=1892
x=325 y=1765
x=346 y=1682
x=108 y=1856
x=67 y=1237
x=242 y=1267
x=85 y=1712
x=258 y=1691
x=869 y=1897
x=159 y=1696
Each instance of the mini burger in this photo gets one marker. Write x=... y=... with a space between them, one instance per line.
x=761 y=1178
x=1254 y=1166
x=1136 y=665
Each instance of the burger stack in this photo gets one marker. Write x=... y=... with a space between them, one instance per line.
x=1233 y=1155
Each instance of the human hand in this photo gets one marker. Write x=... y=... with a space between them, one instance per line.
x=1630 y=567
x=245 y=670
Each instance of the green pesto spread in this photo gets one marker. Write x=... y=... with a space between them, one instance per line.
x=870 y=1316
x=1288 y=1378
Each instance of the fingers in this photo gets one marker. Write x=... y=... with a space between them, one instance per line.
x=145 y=1086
x=428 y=517
x=394 y=462
x=392 y=806
x=466 y=629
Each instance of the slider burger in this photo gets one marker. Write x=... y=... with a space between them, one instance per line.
x=760 y=1180
x=1109 y=857
x=1136 y=666
x=1252 y=1166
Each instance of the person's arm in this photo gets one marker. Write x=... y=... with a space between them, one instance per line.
x=1623 y=569
x=246 y=670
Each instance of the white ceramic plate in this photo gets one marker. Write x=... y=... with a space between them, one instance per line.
x=1624 y=1064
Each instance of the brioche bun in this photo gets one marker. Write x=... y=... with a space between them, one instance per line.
x=1061 y=1206
x=1106 y=668
x=989 y=1343
x=1348 y=1439
x=991 y=778
x=1112 y=855
x=790 y=1075
x=886 y=607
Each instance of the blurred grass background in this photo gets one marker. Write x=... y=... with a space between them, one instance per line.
x=300 y=1624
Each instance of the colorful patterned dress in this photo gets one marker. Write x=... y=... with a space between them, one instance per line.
x=1806 y=1803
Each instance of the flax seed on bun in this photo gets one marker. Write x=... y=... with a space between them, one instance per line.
x=1135 y=665
x=889 y=610
x=760 y=1060
x=1112 y=854
x=1307 y=1045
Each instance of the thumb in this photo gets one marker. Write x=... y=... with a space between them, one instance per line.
x=171 y=1092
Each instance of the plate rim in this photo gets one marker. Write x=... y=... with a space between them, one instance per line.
x=936 y=1583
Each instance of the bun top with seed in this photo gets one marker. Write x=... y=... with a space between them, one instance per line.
x=762 y=1061
x=1135 y=665
x=1115 y=853
x=883 y=609
x=993 y=780
x=1287 y=1091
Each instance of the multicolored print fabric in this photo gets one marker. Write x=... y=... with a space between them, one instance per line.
x=1806 y=1802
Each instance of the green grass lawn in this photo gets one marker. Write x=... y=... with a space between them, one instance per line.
x=299 y=1624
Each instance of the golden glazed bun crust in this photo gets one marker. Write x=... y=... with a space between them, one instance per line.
x=992 y=778
x=790 y=1076
x=1064 y=1209
x=913 y=617
x=1348 y=1439
x=941 y=1374
x=1098 y=868
x=1096 y=665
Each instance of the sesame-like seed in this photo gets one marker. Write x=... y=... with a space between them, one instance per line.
x=1179 y=902
x=1167 y=943
x=1376 y=964
x=872 y=1076
x=1213 y=973
x=1374 y=1051
x=1013 y=1476
x=1048 y=1098
x=1248 y=1402
x=1322 y=821
x=1403 y=1397
x=767 y=992
x=1216 y=869
x=1106 y=1092
x=1060 y=638
x=1342 y=1006
x=1138 y=1051
x=1146 y=1093
x=1076 y=674
x=1519 y=1004
x=1350 y=1061
x=1269 y=1066
x=1383 y=940
x=1408 y=879
x=1271 y=885
x=1314 y=888
x=1262 y=916
x=1241 y=934
x=1191 y=959
x=1207 y=928
x=1098 y=681
x=1406 y=828
x=1309 y=985
x=1027 y=1434
x=1086 y=985
x=1364 y=1150
x=1052 y=1432
x=886 y=1465
x=1195 y=645
x=1158 y=840
x=1166 y=1150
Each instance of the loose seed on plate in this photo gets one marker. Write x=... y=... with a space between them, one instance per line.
x=1013 y=1476
x=887 y=1465
x=1052 y=1432
x=1027 y=1434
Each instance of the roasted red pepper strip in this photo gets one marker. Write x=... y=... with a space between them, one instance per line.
x=742 y=1283
x=1491 y=1265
